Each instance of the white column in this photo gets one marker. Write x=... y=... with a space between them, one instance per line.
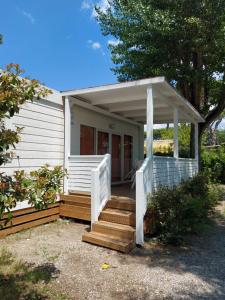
x=196 y=144
x=67 y=139
x=175 y=135
x=149 y=122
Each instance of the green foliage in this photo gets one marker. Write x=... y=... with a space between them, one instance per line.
x=14 y=92
x=183 y=209
x=183 y=137
x=46 y=186
x=181 y=40
x=40 y=188
x=213 y=162
x=220 y=136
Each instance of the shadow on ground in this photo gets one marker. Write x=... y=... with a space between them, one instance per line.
x=19 y=280
x=203 y=258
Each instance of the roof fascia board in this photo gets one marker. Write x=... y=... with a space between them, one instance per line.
x=115 y=86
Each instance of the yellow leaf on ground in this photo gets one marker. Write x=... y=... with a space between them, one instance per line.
x=105 y=266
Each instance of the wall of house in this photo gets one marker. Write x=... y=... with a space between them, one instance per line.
x=83 y=116
x=42 y=137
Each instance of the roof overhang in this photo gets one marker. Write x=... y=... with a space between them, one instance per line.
x=128 y=100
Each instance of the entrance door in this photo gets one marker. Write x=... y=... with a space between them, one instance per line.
x=103 y=143
x=87 y=140
x=127 y=156
x=116 y=157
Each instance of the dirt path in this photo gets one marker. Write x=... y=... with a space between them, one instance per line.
x=154 y=272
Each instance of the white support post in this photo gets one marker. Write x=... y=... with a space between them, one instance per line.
x=67 y=138
x=196 y=145
x=175 y=136
x=150 y=110
x=149 y=122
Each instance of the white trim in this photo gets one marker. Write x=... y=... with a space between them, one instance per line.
x=196 y=143
x=175 y=133
x=67 y=138
x=115 y=86
x=149 y=118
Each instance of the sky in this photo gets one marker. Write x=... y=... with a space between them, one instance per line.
x=57 y=42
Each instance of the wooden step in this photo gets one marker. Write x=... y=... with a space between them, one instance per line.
x=74 y=211
x=76 y=199
x=121 y=203
x=120 y=231
x=118 y=216
x=108 y=241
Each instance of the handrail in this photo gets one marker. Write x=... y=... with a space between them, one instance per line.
x=100 y=187
x=143 y=188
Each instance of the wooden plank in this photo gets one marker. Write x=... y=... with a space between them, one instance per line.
x=77 y=212
x=31 y=216
x=27 y=210
x=24 y=226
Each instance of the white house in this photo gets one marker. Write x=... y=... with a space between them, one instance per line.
x=97 y=133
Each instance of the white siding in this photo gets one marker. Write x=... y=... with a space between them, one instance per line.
x=42 y=137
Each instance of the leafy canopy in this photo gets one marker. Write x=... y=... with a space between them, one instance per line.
x=182 y=40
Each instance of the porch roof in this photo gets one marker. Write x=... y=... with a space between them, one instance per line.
x=128 y=100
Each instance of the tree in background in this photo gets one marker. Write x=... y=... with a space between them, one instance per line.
x=182 y=40
x=183 y=137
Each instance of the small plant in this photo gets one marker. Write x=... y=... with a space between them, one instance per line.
x=40 y=188
x=182 y=209
x=46 y=186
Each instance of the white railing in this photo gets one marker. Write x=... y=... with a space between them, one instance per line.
x=79 y=171
x=101 y=187
x=143 y=188
x=167 y=171
x=170 y=171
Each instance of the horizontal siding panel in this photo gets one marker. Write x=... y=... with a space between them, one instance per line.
x=43 y=124
x=33 y=115
x=41 y=139
x=44 y=109
x=28 y=146
x=33 y=162
x=42 y=132
x=39 y=154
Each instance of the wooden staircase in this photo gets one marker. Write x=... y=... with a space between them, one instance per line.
x=116 y=226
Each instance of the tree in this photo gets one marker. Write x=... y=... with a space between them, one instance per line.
x=182 y=40
x=14 y=92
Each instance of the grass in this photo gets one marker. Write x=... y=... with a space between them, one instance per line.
x=20 y=280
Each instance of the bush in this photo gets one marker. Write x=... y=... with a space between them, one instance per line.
x=213 y=162
x=40 y=188
x=182 y=209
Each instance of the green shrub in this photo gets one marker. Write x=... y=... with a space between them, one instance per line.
x=40 y=188
x=182 y=209
x=213 y=162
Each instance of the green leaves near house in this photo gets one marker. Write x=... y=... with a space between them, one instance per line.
x=176 y=212
x=40 y=188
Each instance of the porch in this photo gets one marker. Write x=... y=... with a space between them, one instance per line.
x=149 y=101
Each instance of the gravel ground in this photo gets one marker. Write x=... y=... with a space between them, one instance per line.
x=196 y=271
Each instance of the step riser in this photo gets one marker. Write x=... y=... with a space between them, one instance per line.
x=76 y=200
x=126 y=235
x=107 y=244
x=125 y=220
x=118 y=205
